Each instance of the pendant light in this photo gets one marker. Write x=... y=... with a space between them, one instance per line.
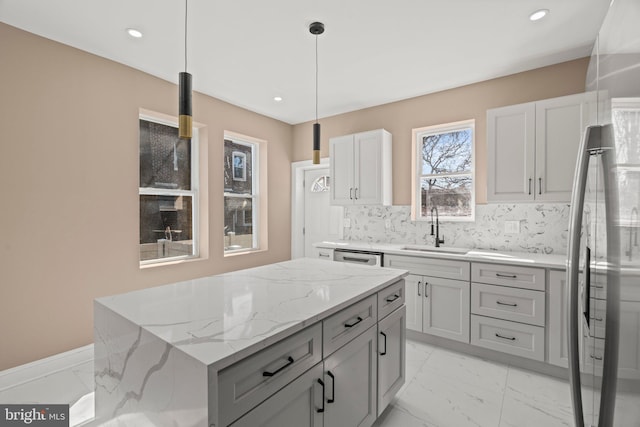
x=316 y=29
x=185 y=120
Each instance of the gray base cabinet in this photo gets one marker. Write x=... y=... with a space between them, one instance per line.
x=350 y=378
x=446 y=308
x=391 y=356
x=356 y=365
x=437 y=295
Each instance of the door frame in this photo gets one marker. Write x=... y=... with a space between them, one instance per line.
x=297 y=203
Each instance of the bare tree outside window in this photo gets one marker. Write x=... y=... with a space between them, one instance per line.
x=445 y=156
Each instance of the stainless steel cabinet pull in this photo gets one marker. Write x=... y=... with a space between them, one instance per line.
x=529 y=186
x=426 y=295
x=321 y=410
x=507 y=303
x=506 y=276
x=598 y=319
x=270 y=374
x=393 y=298
x=324 y=255
x=505 y=338
x=595 y=357
x=419 y=288
x=351 y=193
x=356 y=193
x=333 y=388
x=539 y=185
x=351 y=325
x=385 y=344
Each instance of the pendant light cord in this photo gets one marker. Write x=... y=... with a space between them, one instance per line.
x=316 y=78
x=186 y=3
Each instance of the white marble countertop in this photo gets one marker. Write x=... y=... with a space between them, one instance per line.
x=474 y=255
x=220 y=319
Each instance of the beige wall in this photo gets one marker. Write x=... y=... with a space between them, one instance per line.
x=466 y=102
x=69 y=190
x=69 y=177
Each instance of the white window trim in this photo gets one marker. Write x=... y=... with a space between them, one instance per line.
x=416 y=168
x=194 y=193
x=257 y=196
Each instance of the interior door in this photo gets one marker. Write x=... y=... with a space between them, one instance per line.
x=322 y=221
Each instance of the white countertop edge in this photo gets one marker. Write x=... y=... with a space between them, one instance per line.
x=474 y=255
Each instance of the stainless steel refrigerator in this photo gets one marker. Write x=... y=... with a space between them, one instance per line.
x=603 y=266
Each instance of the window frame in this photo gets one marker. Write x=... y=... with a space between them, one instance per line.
x=193 y=193
x=257 y=189
x=416 y=168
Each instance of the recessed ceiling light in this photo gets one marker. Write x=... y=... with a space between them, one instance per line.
x=538 y=14
x=277 y=98
x=136 y=34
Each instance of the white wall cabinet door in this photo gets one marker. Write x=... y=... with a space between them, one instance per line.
x=414 y=289
x=350 y=377
x=532 y=148
x=297 y=404
x=341 y=170
x=560 y=123
x=557 y=326
x=391 y=356
x=368 y=168
x=511 y=153
x=361 y=168
x=446 y=308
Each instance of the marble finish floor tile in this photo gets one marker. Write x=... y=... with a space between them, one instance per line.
x=536 y=400
x=443 y=389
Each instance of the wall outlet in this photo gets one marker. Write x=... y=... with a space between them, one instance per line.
x=347 y=223
x=512 y=227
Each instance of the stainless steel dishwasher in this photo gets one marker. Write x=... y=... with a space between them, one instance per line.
x=358 y=257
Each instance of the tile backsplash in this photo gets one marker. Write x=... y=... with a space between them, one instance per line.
x=543 y=227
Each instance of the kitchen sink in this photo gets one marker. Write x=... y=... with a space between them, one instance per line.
x=433 y=249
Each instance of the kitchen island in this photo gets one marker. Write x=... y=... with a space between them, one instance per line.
x=254 y=347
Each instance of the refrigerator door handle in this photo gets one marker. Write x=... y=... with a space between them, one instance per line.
x=591 y=139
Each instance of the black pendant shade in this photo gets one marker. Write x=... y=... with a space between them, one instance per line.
x=316 y=143
x=185 y=121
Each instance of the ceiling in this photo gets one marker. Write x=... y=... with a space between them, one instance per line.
x=373 y=52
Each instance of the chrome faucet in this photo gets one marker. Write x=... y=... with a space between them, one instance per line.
x=439 y=241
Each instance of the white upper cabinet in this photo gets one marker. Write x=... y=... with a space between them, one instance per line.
x=361 y=168
x=532 y=148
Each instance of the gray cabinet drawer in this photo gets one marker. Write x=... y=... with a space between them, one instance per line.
x=509 y=337
x=347 y=324
x=295 y=405
x=434 y=267
x=250 y=381
x=509 y=275
x=518 y=305
x=390 y=298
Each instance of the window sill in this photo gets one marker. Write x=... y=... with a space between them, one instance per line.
x=238 y=252
x=173 y=261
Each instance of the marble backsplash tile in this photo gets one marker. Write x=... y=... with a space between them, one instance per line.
x=543 y=227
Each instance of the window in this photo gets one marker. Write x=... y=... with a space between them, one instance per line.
x=443 y=171
x=168 y=192
x=241 y=190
